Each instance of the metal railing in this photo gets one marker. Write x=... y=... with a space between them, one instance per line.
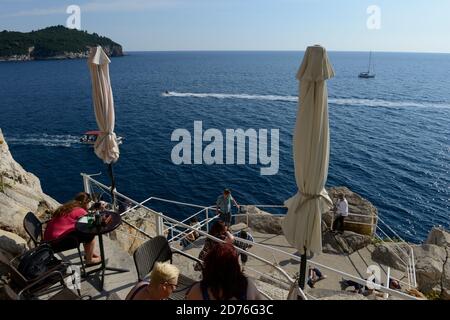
x=159 y=217
x=165 y=224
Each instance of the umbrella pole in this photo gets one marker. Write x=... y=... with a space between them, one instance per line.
x=113 y=185
x=301 y=279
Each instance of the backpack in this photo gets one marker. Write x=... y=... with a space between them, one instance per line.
x=38 y=261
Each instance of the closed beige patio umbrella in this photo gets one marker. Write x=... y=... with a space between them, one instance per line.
x=311 y=139
x=106 y=146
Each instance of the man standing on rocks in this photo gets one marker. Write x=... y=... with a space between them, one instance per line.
x=223 y=206
x=341 y=212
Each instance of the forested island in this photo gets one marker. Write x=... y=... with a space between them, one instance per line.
x=57 y=42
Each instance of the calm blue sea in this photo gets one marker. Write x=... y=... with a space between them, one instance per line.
x=389 y=135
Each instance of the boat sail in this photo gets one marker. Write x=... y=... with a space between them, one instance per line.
x=368 y=74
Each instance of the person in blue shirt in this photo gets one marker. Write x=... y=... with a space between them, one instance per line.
x=223 y=206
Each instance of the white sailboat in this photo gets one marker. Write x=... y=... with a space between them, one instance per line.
x=368 y=74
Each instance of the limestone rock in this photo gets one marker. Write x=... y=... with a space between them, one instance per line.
x=20 y=192
x=438 y=236
x=356 y=205
x=345 y=243
x=445 y=289
x=261 y=221
x=394 y=255
x=129 y=238
x=430 y=261
x=12 y=243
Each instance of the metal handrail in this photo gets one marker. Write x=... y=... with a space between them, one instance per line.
x=275 y=266
x=160 y=215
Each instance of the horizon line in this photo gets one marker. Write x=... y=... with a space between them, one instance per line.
x=281 y=50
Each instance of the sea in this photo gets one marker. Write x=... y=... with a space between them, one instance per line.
x=389 y=135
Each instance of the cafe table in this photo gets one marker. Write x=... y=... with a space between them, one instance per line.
x=84 y=225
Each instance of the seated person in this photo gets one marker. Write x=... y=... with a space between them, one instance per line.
x=361 y=289
x=192 y=235
x=222 y=277
x=63 y=223
x=394 y=284
x=218 y=230
x=350 y=283
x=163 y=281
x=314 y=275
x=244 y=246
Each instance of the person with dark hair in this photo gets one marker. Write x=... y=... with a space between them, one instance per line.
x=222 y=278
x=242 y=245
x=63 y=223
x=314 y=275
x=223 y=206
x=218 y=230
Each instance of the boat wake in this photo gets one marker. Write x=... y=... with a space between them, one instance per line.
x=333 y=101
x=45 y=140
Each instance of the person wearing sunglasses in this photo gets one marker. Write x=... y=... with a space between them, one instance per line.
x=163 y=281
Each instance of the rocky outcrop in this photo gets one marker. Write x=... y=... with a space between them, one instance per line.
x=345 y=243
x=394 y=255
x=260 y=221
x=264 y=222
x=439 y=237
x=20 y=192
x=366 y=212
x=11 y=245
x=431 y=259
x=128 y=237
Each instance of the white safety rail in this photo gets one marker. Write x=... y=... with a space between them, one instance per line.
x=176 y=230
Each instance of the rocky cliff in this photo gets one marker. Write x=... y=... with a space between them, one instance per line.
x=20 y=192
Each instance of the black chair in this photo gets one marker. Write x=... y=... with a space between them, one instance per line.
x=33 y=227
x=63 y=294
x=158 y=250
x=27 y=288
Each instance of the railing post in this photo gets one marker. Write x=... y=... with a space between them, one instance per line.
x=159 y=225
x=207 y=222
x=332 y=221
x=413 y=268
x=86 y=184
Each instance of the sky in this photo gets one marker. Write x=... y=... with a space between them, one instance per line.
x=166 y=25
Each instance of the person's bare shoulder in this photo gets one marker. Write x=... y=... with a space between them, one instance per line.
x=195 y=292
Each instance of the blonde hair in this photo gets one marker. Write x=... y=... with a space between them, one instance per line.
x=163 y=272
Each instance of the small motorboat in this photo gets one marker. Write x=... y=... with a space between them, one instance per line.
x=89 y=137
